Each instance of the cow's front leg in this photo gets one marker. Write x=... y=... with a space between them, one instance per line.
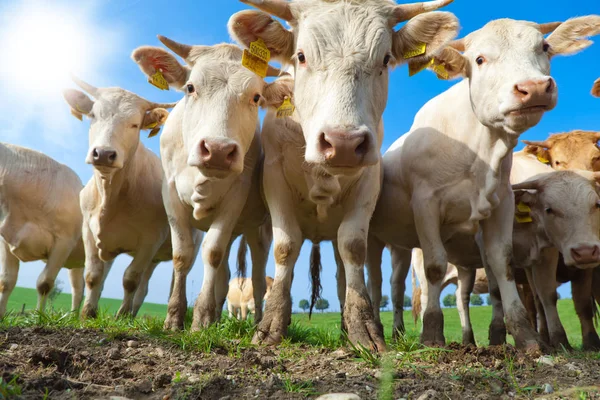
x=435 y=262
x=142 y=290
x=400 y=266
x=9 y=272
x=133 y=275
x=77 y=286
x=362 y=326
x=56 y=260
x=466 y=281
x=374 y=252
x=94 y=274
x=259 y=241
x=584 y=307
x=340 y=277
x=496 y=240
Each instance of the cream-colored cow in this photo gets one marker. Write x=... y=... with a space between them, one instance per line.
x=122 y=205
x=211 y=155
x=40 y=219
x=449 y=176
x=322 y=168
x=240 y=297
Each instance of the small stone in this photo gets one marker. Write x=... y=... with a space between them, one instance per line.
x=145 y=386
x=340 y=354
x=257 y=392
x=225 y=398
x=572 y=367
x=547 y=360
x=368 y=388
x=13 y=347
x=84 y=353
x=548 y=388
x=272 y=381
x=430 y=394
x=338 y=396
x=159 y=352
x=132 y=343
x=193 y=378
x=113 y=353
x=162 y=380
x=102 y=341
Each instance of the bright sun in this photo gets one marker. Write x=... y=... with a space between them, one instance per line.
x=44 y=45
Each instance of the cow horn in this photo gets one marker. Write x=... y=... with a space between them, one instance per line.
x=545 y=144
x=278 y=8
x=527 y=185
x=458 y=44
x=94 y=91
x=404 y=12
x=182 y=50
x=152 y=106
x=548 y=27
x=272 y=71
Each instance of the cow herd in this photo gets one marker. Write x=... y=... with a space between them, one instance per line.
x=451 y=190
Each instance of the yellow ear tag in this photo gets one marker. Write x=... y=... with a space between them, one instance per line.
x=415 y=52
x=523 y=208
x=440 y=70
x=286 y=109
x=256 y=59
x=154 y=131
x=152 y=125
x=76 y=114
x=159 y=81
x=523 y=219
x=414 y=68
x=543 y=159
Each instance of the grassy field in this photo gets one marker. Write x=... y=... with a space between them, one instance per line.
x=480 y=316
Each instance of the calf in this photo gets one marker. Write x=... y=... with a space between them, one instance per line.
x=449 y=176
x=240 y=297
x=322 y=164
x=121 y=204
x=40 y=219
x=211 y=154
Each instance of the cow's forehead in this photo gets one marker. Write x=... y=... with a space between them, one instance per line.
x=505 y=33
x=214 y=76
x=119 y=102
x=564 y=186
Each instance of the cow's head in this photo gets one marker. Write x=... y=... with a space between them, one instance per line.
x=596 y=88
x=219 y=113
x=507 y=64
x=117 y=117
x=566 y=206
x=571 y=150
x=341 y=52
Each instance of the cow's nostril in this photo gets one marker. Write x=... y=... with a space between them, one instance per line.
x=232 y=154
x=204 y=150
x=95 y=154
x=363 y=146
x=521 y=90
x=550 y=86
x=112 y=156
x=325 y=145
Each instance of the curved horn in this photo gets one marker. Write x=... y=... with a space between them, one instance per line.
x=548 y=27
x=544 y=143
x=94 y=91
x=182 y=50
x=404 y=12
x=527 y=185
x=152 y=105
x=459 y=44
x=272 y=71
x=278 y=8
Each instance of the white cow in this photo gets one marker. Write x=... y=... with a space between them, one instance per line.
x=564 y=218
x=240 y=297
x=40 y=219
x=211 y=154
x=322 y=165
x=121 y=204
x=450 y=174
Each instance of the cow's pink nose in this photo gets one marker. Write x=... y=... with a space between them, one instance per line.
x=535 y=92
x=103 y=156
x=218 y=154
x=344 y=149
x=586 y=254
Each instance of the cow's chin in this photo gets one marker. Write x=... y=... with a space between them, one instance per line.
x=516 y=124
x=570 y=262
x=106 y=172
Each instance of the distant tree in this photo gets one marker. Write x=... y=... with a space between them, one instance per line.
x=407 y=301
x=322 y=304
x=449 y=300
x=304 y=304
x=385 y=300
x=56 y=290
x=476 y=300
x=488 y=300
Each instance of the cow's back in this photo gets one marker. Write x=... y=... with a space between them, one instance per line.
x=39 y=201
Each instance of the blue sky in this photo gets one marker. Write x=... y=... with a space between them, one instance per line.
x=95 y=39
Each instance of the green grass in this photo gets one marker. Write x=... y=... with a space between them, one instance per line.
x=323 y=328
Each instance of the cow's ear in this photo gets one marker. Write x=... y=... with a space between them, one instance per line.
x=571 y=36
x=524 y=197
x=596 y=88
x=424 y=36
x=154 y=119
x=80 y=103
x=152 y=59
x=447 y=64
x=276 y=91
x=541 y=153
x=247 y=26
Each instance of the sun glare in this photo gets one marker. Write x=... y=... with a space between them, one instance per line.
x=44 y=45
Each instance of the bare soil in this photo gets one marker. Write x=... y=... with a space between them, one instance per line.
x=89 y=364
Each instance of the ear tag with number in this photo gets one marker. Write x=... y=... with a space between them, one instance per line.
x=543 y=159
x=256 y=59
x=159 y=80
x=420 y=49
x=523 y=208
x=286 y=109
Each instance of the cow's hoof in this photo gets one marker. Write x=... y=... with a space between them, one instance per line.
x=269 y=331
x=560 y=341
x=362 y=327
x=398 y=333
x=433 y=329
x=497 y=334
x=124 y=313
x=468 y=338
x=203 y=318
x=89 y=312
x=173 y=323
x=591 y=342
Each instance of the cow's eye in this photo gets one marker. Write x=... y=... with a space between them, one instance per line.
x=546 y=47
x=190 y=88
x=386 y=60
x=549 y=210
x=301 y=57
x=135 y=126
x=557 y=163
x=480 y=60
x=256 y=98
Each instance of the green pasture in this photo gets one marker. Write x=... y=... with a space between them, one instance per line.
x=325 y=323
